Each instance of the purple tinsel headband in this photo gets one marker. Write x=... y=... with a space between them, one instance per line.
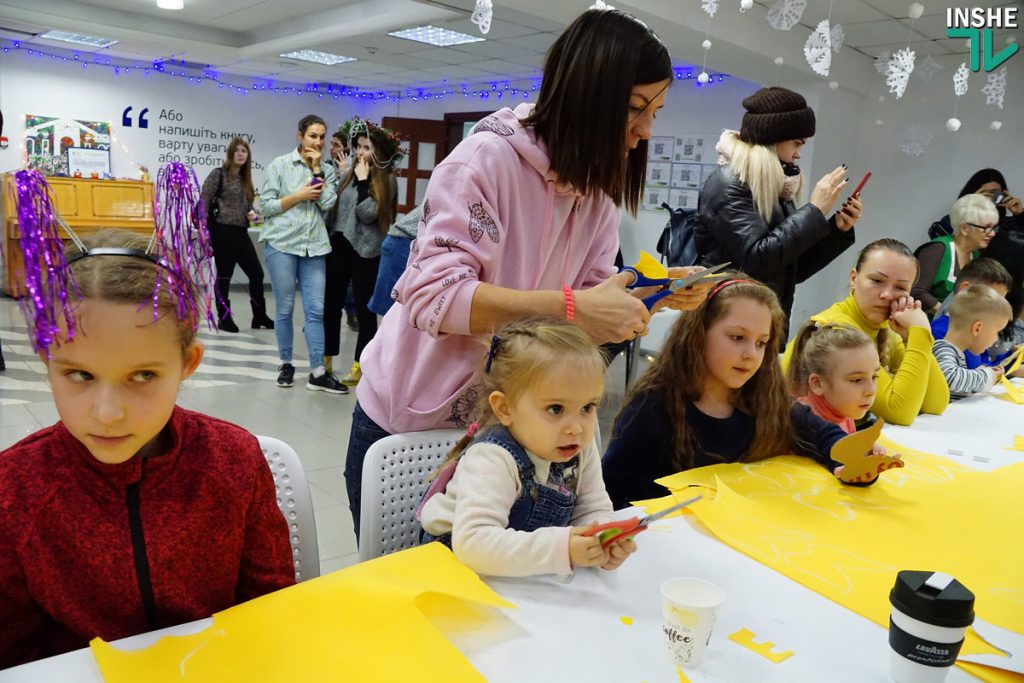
x=180 y=245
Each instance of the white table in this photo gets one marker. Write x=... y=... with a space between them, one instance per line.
x=569 y=632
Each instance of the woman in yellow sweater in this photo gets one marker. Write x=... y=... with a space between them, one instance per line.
x=880 y=305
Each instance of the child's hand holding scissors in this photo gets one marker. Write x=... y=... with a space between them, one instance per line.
x=618 y=551
x=585 y=551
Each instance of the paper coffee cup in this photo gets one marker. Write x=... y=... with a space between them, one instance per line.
x=688 y=609
x=930 y=614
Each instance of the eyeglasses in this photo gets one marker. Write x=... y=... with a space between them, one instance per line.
x=989 y=229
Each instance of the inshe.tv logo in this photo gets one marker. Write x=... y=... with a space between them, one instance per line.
x=976 y=24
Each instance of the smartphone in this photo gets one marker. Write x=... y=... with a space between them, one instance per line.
x=316 y=181
x=863 y=182
x=999 y=198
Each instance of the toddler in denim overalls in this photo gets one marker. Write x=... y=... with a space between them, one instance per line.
x=519 y=491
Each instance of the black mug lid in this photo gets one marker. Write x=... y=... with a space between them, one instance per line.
x=934 y=598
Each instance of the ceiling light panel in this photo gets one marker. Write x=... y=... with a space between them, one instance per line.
x=325 y=58
x=432 y=35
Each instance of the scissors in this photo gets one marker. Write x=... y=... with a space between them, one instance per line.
x=706 y=276
x=609 y=532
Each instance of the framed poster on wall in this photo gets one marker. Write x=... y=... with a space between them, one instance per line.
x=88 y=161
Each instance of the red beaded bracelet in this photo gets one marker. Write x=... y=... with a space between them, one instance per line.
x=570 y=303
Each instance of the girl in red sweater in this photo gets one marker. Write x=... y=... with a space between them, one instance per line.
x=130 y=514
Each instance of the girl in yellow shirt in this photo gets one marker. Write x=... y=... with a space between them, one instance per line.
x=880 y=305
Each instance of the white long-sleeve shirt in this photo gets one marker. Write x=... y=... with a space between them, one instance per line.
x=475 y=508
x=962 y=380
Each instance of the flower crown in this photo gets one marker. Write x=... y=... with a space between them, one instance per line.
x=386 y=142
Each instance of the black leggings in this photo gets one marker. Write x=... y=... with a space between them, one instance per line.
x=231 y=245
x=345 y=265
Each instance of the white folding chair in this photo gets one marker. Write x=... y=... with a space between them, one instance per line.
x=396 y=474
x=296 y=505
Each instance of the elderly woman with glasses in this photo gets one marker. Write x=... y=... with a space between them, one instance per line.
x=975 y=221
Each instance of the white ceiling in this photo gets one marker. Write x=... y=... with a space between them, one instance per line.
x=245 y=37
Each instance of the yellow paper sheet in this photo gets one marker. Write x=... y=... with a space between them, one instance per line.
x=363 y=623
x=1012 y=362
x=1015 y=392
x=847 y=543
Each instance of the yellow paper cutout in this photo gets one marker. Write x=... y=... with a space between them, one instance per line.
x=860 y=465
x=1012 y=362
x=745 y=637
x=1018 y=443
x=628 y=621
x=648 y=266
x=1012 y=390
x=362 y=623
x=682 y=675
x=848 y=543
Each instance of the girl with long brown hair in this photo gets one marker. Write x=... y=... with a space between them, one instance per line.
x=228 y=195
x=714 y=394
x=367 y=204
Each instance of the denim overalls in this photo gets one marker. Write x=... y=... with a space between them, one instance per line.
x=537 y=506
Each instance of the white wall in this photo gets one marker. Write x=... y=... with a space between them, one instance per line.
x=35 y=85
x=904 y=196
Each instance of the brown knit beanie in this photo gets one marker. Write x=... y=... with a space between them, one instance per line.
x=775 y=115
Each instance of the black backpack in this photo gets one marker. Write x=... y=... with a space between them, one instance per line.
x=676 y=244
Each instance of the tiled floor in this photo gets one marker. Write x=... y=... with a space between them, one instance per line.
x=236 y=383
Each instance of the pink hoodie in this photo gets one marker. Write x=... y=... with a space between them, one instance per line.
x=492 y=213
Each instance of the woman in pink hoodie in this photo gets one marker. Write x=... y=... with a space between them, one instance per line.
x=521 y=219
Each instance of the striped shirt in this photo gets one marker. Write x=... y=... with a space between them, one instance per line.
x=300 y=230
x=962 y=381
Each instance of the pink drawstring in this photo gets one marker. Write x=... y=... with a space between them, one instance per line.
x=473 y=429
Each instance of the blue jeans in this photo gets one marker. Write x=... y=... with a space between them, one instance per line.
x=310 y=272
x=394 y=254
x=365 y=432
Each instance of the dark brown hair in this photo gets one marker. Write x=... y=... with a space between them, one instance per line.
x=126 y=279
x=678 y=374
x=245 y=171
x=310 y=120
x=985 y=271
x=382 y=187
x=583 y=106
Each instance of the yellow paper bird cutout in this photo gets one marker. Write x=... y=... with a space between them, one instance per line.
x=1012 y=362
x=859 y=463
x=648 y=266
x=745 y=637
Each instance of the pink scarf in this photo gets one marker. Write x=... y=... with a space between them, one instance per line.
x=823 y=409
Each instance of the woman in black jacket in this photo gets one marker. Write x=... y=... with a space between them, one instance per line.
x=748 y=211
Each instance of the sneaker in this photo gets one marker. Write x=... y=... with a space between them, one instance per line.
x=326 y=382
x=353 y=376
x=286 y=376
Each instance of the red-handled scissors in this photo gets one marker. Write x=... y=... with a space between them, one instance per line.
x=609 y=532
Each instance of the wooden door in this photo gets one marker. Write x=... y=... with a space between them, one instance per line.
x=425 y=139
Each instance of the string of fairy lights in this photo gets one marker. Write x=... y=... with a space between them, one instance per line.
x=492 y=89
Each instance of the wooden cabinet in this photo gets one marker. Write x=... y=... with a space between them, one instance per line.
x=85 y=205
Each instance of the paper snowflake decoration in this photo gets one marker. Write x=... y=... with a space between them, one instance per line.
x=818 y=49
x=709 y=6
x=960 y=80
x=900 y=66
x=882 y=62
x=482 y=14
x=785 y=14
x=995 y=88
x=916 y=140
x=928 y=68
x=838 y=35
